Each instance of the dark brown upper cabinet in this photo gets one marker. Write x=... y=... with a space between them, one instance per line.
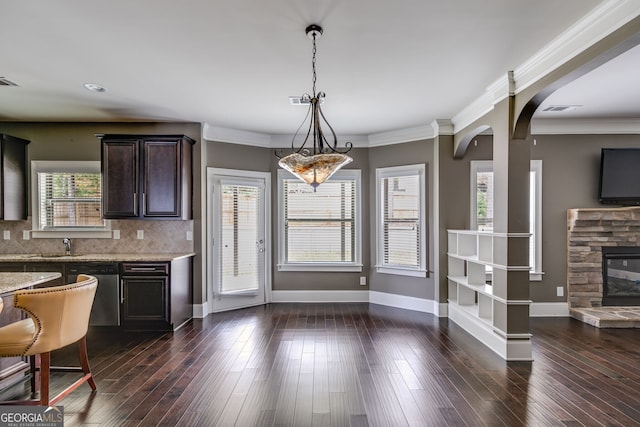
x=146 y=176
x=13 y=178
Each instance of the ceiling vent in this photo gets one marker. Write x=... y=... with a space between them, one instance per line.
x=299 y=100
x=558 y=108
x=6 y=82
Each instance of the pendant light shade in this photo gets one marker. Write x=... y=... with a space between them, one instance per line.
x=316 y=169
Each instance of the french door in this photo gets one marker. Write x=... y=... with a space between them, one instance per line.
x=238 y=240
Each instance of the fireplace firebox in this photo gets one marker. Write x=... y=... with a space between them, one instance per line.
x=621 y=276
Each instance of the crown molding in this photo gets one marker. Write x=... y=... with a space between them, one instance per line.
x=476 y=109
x=442 y=127
x=284 y=141
x=235 y=136
x=593 y=27
x=585 y=126
x=599 y=23
x=399 y=136
x=503 y=87
x=611 y=126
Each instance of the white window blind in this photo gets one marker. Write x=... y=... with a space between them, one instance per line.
x=241 y=205
x=401 y=220
x=69 y=200
x=320 y=225
x=320 y=231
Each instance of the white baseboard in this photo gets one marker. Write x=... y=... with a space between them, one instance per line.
x=537 y=309
x=200 y=311
x=508 y=349
x=549 y=309
x=319 y=296
x=401 y=301
x=443 y=309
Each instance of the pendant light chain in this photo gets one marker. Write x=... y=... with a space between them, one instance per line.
x=313 y=64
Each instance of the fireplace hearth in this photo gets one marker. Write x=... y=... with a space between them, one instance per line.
x=603 y=266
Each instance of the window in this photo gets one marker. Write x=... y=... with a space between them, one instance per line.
x=482 y=207
x=320 y=231
x=67 y=199
x=400 y=217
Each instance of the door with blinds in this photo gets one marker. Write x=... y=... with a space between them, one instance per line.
x=238 y=247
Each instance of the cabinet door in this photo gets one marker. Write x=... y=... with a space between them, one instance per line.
x=162 y=179
x=13 y=178
x=145 y=302
x=120 y=195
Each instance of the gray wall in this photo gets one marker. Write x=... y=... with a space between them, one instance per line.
x=397 y=155
x=570 y=171
x=77 y=141
x=243 y=157
x=344 y=281
x=570 y=180
x=239 y=157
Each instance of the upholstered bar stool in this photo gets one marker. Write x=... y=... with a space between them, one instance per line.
x=58 y=317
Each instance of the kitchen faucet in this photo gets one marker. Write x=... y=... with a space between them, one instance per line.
x=67 y=245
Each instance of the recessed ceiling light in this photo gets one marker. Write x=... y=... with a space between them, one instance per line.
x=558 y=108
x=94 y=87
x=6 y=82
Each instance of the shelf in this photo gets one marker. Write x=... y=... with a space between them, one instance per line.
x=471 y=298
x=484 y=289
x=473 y=311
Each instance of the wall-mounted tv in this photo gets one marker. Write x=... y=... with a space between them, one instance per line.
x=620 y=176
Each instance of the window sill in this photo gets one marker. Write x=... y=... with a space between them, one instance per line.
x=401 y=271
x=321 y=267
x=85 y=234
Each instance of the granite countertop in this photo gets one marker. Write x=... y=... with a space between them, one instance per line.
x=11 y=282
x=130 y=257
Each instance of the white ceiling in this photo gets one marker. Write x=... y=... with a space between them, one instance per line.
x=384 y=65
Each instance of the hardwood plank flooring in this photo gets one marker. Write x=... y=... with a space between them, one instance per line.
x=352 y=365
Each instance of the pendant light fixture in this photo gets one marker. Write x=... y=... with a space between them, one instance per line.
x=314 y=165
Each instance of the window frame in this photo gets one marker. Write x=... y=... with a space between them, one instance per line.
x=399 y=171
x=40 y=166
x=535 y=166
x=356 y=264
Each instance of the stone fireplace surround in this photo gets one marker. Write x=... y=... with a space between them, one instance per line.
x=588 y=231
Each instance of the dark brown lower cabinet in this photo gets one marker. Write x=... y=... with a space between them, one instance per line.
x=144 y=302
x=156 y=295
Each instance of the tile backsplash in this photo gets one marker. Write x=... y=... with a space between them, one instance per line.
x=159 y=237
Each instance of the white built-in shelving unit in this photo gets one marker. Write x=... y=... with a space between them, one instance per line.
x=473 y=301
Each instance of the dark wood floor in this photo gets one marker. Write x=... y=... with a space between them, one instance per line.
x=354 y=365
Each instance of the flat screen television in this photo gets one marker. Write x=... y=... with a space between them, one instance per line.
x=620 y=176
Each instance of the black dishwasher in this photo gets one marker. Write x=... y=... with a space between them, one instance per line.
x=106 y=305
